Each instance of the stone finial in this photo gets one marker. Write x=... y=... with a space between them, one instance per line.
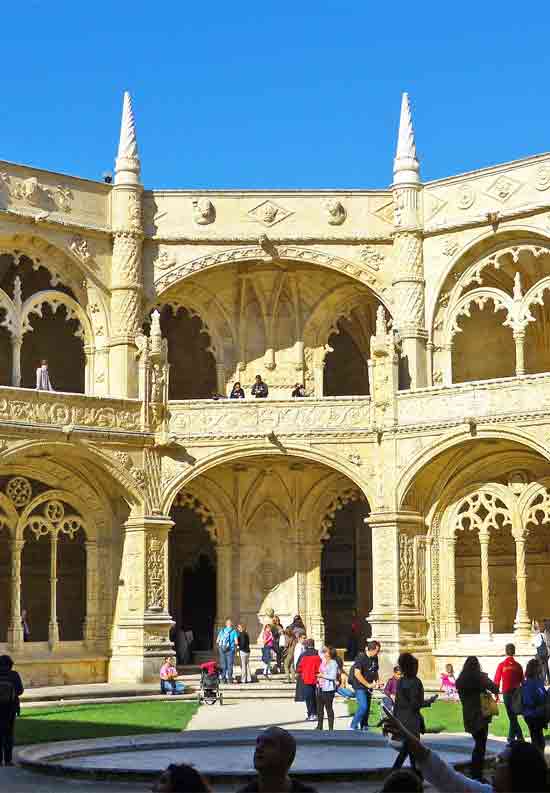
x=127 y=164
x=406 y=169
x=156 y=333
x=381 y=325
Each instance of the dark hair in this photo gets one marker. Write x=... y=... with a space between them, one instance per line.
x=527 y=767
x=372 y=645
x=408 y=664
x=185 y=778
x=471 y=664
x=310 y=643
x=6 y=662
x=533 y=668
x=510 y=649
x=403 y=781
x=396 y=669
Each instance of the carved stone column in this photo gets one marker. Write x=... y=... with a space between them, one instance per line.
x=314 y=615
x=53 y=628
x=519 y=340
x=90 y=625
x=486 y=621
x=142 y=620
x=15 y=629
x=397 y=616
x=16 y=344
x=453 y=625
x=446 y=354
x=126 y=263
x=220 y=378
x=224 y=555
x=522 y=624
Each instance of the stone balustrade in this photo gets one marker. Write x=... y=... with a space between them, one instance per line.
x=46 y=408
x=512 y=396
x=241 y=418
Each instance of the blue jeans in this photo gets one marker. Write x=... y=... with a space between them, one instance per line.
x=514 y=731
x=227 y=658
x=347 y=693
x=363 y=707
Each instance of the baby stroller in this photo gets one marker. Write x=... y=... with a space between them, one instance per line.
x=209 y=692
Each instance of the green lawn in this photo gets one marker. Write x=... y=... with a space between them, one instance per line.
x=447 y=717
x=72 y=722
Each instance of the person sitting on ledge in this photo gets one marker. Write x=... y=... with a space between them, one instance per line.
x=236 y=392
x=168 y=675
x=274 y=754
x=181 y=778
x=259 y=389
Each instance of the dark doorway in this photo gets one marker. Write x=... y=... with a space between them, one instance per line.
x=192 y=580
x=346 y=577
x=346 y=371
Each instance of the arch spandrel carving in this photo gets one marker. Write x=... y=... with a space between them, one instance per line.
x=358 y=270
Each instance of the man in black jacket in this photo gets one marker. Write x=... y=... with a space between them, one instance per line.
x=365 y=678
x=11 y=689
x=259 y=389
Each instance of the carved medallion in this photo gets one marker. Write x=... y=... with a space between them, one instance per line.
x=542 y=177
x=268 y=213
x=203 y=211
x=465 y=196
x=503 y=188
x=336 y=214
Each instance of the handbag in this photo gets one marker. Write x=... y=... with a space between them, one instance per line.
x=489 y=706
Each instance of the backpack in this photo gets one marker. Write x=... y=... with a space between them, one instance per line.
x=7 y=692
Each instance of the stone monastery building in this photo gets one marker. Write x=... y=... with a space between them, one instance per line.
x=410 y=486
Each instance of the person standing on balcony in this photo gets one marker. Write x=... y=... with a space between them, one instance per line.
x=299 y=391
x=236 y=392
x=259 y=389
x=43 y=382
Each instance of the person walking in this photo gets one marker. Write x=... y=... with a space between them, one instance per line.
x=541 y=649
x=11 y=688
x=509 y=676
x=364 y=680
x=243 y=641
x=308 y=669
x=471 y=684
x=409 y=699
x=278 y=642
x=328 y=683
x=288 y=654
x=267 y=649
x=297 y=625
x=25 y=625
x=227 y=641
x=533 y=698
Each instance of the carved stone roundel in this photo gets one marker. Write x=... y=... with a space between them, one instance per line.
x=465 y=196
x=19 y=490
x=55 y=511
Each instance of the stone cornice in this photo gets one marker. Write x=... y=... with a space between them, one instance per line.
x=55 y=221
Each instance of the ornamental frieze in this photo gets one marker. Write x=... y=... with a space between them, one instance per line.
x=244 y=419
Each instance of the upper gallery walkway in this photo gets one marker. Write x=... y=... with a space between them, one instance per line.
x=514 y=399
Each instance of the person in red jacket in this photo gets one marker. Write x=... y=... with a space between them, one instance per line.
x=308 y=669
x=509 y=677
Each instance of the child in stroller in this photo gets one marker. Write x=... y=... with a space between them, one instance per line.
x=209 y=692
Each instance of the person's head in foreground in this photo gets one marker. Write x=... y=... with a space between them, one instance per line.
x=403 y=781
x=533 y=669
x=6 y=663
x=520 y=769
x=408 y=665
x=274 y=754
x=510 y=649
x=180 y=778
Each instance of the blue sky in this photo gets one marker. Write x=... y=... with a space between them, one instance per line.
x=274 y=95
